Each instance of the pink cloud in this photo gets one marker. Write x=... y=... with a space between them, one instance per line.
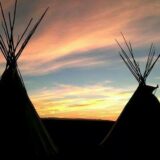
x=72 y=26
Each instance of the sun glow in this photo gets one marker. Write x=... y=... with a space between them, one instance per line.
x=95 y=102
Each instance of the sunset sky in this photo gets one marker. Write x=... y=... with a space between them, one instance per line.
x=71 y=67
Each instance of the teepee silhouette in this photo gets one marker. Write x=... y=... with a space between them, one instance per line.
x=136 y=133
x=22 y=134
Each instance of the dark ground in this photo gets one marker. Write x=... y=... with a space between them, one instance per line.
x=77 y=138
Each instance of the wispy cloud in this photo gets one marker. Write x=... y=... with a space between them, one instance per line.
x=72 y=26
x=100 y=101
x=51 y=66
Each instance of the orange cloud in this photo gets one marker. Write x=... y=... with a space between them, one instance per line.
x=72 y=26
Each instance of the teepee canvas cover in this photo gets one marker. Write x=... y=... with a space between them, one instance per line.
x=22 y=134
x=136 y=133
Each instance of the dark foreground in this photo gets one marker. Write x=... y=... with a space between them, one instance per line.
x=77 y=139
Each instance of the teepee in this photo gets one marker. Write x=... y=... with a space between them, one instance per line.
x=22 y=134
x=136 y=133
